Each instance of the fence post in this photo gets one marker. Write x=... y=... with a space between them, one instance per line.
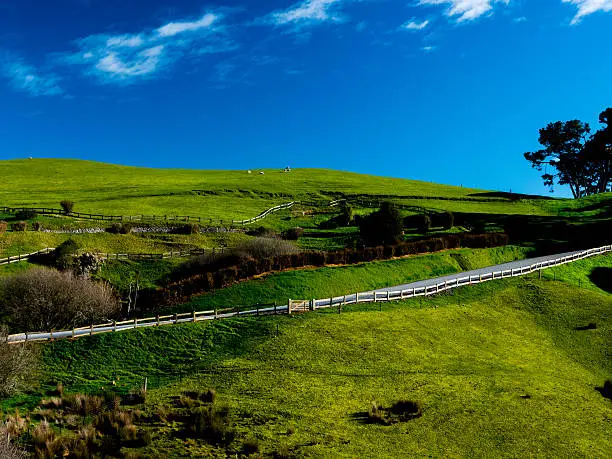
x=114 y=325
x=175 y=318
x=91 y=330
x=194 y=316
x=157 y=317
x=289 y=307
x=73 y=333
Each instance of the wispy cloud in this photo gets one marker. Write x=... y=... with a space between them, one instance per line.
x=128 y=58
x=414 y=25
x=428 y=49
x=305 y=13
x=587 y=7
x=466 y=10
x=27 y=78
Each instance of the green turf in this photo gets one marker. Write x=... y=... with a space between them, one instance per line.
x=121 y=190
x=502 y=370
x=335 y=281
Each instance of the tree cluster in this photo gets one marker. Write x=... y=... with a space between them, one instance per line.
x=573 y=156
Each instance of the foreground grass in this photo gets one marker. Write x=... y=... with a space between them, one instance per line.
x=502 y=369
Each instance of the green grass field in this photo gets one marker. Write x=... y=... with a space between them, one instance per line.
x=502 y=369
x=121 y=190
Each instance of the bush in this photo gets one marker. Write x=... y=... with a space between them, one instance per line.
x=67 y=206
x=18 y=366
x=3 y=226
x=187 y=228
x=120 y=228
x=293 y=234
x=64 y=255
x=19 y=226
x=262 y=231
x=26 y=214
x=45 y=299
x=36 y=226
x=381 y=227
x=444 y=220
x=211 y=424
x=424 y=224
x=7 y=449
x=264 y=247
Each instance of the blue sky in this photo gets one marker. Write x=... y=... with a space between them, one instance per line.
x=450 y=91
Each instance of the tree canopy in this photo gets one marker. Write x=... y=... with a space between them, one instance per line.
x=575 y=157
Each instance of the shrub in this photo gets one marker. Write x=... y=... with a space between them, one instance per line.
x=446 y=220
x=7 y=449
x=25 y=214
x=211 y=424
x=67 y=206
x=187 y=228
x=19 y=226
x=381 y=227
x=3 y=226
x=424 y=224
x=262 y=231
x=293 y=234
x=64 y=255
x=264 y=247
x=120 y=228
x=45 y=299
x=250 y=446
x=18 y=366
x=36 y=226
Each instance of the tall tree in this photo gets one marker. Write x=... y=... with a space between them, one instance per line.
x=571 y=156
x=563 y=144
x=598 y=152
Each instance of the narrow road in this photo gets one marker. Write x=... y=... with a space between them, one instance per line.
x=504 y=267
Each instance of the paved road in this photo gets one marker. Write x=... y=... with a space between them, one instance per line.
x=410 y=290
x=513 y=265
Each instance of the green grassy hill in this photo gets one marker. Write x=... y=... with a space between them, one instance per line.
x=120 y=190
x=503 y=369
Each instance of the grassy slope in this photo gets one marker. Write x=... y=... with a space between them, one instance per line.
x=334 y=281
x=124 y=190
x=469 y=358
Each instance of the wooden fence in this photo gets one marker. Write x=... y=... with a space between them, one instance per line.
x=116 y=256
x=25 y=256
x=146 y=218
x=432 y=287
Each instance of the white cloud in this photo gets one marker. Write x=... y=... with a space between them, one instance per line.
x=587 y=7
x=174 y=28
x=128 y=58
x=466 y=10
x=428 y=49
x=307 y=12
x=144 y=63
x=414 y=25
x=26 y=78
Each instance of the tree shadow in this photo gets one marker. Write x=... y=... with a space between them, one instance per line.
x=602 y=278
x=510 y=196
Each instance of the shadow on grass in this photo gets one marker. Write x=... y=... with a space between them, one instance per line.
x=606 y=390
x=602 y=278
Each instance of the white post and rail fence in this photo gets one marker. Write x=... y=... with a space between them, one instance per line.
x=432 y=287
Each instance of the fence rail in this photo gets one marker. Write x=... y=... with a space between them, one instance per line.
x=25 y=256
x=293 y=306
x=146 y=218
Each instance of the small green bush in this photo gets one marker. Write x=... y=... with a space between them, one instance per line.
x=25 y=215
x=425 y=224
x=19 y=227
x=120 y=228
x=211 y=424
x=36 y=226
x=187 y=228
x=293 y=234
x=64 y=254
x=67 y=206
